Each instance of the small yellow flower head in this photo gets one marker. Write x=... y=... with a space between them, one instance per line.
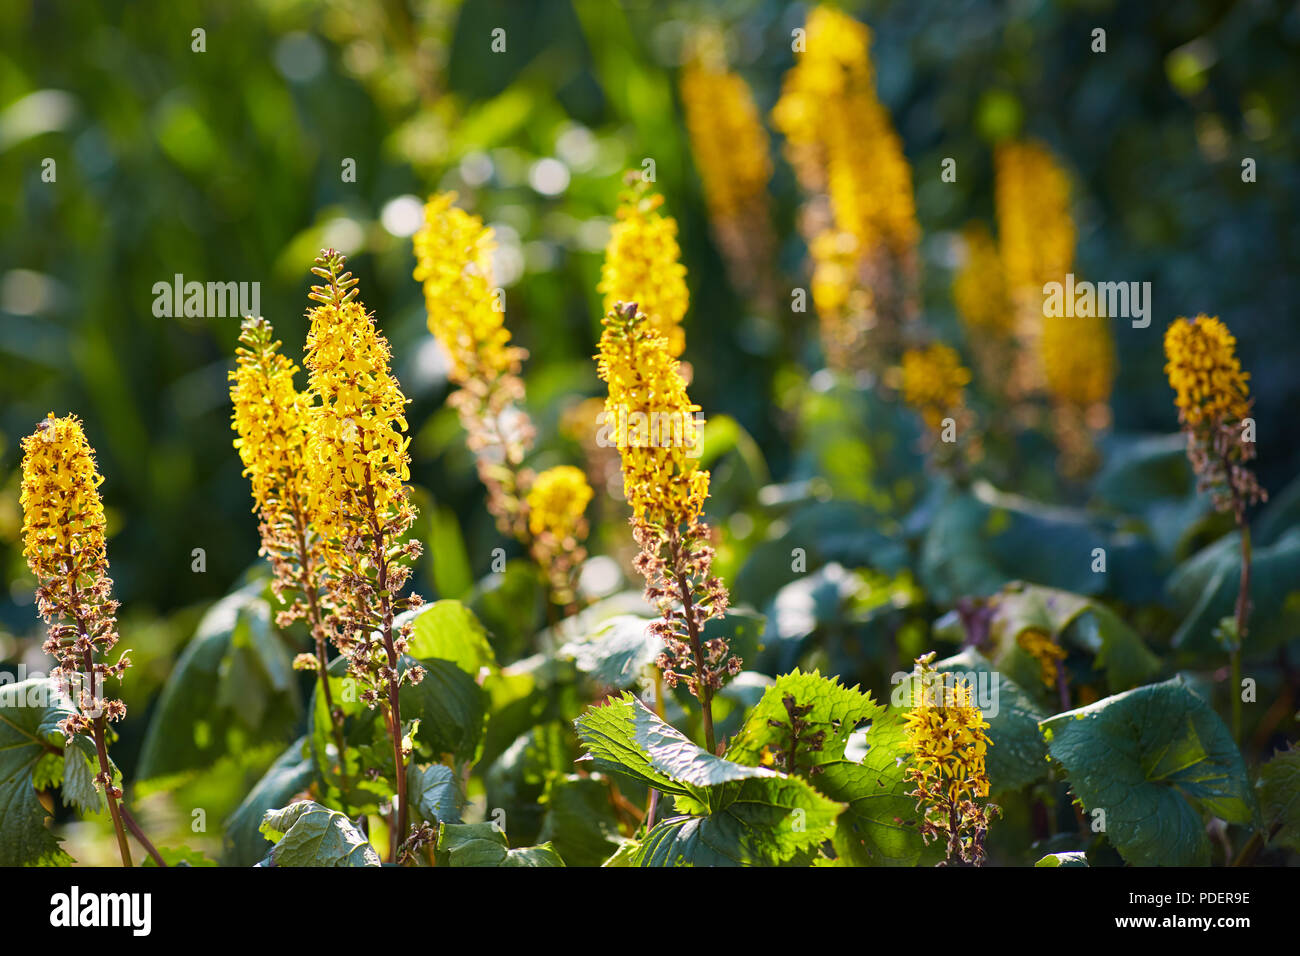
x=1078 y=355
x=946 y=744
x=453 y=253
x=643 y=265
x=934 y=382
x=727 y=139
x=270 y=417
x=1039 y=645
x=556 y=502
x=652 y=420
x=1204 y=372
x=1035 y=227
x=64 y=544
x=979 y=289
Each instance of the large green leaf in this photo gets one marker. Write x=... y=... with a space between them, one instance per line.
x=836 y=711
x=291 y=773
x=765 y=821
x=448 y=630
x=580 y=821
x=879 y=825
x=1016 y=755
x=1069 y=858
x=624 y=736
x=482 y=844
x=1150 y=759
x=32 y=750
x=434 y=793
x=1279 y=797
x=308 y=834
x=617 y=652
x=232 y=686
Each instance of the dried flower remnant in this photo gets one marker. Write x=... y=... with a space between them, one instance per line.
x=730 y=148
x=453 y=252
x=65 y=547
x=358 y=466
x=667 y=491
x=272 y=419
x=643 y=264
x=946 y=744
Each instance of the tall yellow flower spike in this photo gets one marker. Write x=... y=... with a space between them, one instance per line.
x=934 y=382
x=643 y=264
x=946 y=744
x=1204 y=371
x=979 y=289
x=64 y=544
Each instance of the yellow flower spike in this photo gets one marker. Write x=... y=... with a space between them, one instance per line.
x=643 y=264
x=1039 y=645
x=979 y=289
x=1204 y=371
x=727 y=139
x=934 y=382
x=1035 y=227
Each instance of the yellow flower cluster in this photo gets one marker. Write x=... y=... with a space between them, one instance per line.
x=934 y=381
x=1035 y=228
x=63 y=516
x=727 y=139
x=652 y=420
x=1204 y=371
x=946 y=744
x=453 y=254
x=1078 y=356
x=1039 y=645
x=556 y=502
x=270 y=418
x=643 y=265
x=357 y=456
x=840 y=137
x=979 y=289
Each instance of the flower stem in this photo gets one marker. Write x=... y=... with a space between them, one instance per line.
x=138 y=833
x=697 y=647
x=1243 y=615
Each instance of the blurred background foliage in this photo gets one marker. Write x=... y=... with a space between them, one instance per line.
x=226 y=165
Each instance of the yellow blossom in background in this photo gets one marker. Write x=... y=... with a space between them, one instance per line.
x=643 y=265
x=979 y=289
x=557 y=500
x=934 y=381
x=1204 y=371
x=1035 y=228
x=1078 y=356
x=648 y=394
x=727 y=139
x=453 y=253
x=1039 y=645
x=357 y=456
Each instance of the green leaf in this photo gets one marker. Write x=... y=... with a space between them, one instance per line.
x=618 y=652
x=308 y=834
x=516 y=780
x=765 y=821
x=878 y=827
x=1016 y=756
x=30 y=748
x=448 y=559
x=623 y=736
x=580 y=821
x=836 y=711
x=232 y=686
x=292 y=772
x=434 y=793
x=1150 y=758
x=482 y=844
x=1071 y=858
x=1279 y=797
x=451 y=708
x=448 y=630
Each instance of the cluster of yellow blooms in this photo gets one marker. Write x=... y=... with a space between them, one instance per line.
x=979 y=289
x=934 y=382
x=643 y=264
x=1039 y=645
x=557 y=500
x=1213 y=400
x=1204 y=372
x=1035 y=228
x=946 y=744
x=667 y=491
x=453 y=252
x=841 y=142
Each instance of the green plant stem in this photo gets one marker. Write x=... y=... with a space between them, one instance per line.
x=138 y=833
x=1242 y=618
x=697 y=646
